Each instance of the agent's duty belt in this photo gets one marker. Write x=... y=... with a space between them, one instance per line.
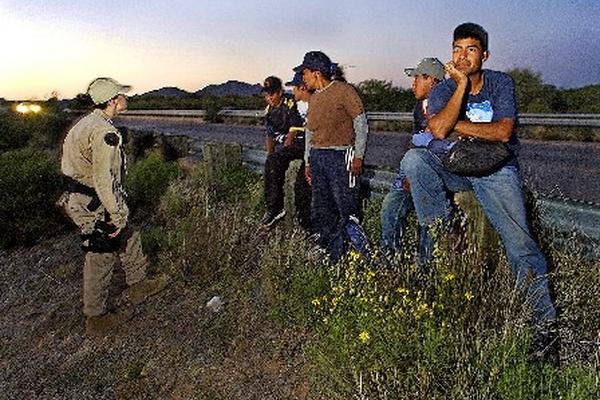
x=75 y=186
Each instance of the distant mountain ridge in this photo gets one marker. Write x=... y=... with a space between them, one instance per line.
x=168 y=91
x=229 y=88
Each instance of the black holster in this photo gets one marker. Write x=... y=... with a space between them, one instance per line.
x=74 y=186
x=99 y=240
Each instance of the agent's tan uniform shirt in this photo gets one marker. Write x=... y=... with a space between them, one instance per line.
x=92 y=155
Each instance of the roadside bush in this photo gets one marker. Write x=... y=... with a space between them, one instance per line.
x=230 y=184
x=211 y=230
x=233 y=185
x=381 y=334
x=179 y=208
x=212 y=108
x=372 y=329
x=147 y=180
x=11 y=138
x=41 y=131
x=29 y=185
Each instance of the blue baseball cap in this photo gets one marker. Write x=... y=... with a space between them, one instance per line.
x=296 y=80
x=316 y=61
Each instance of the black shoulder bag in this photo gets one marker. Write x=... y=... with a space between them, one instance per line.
x=476 y=157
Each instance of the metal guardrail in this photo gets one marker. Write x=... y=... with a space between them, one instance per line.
x=165 y=113
x=565 y=216
x=553 y=120
x=574 y=120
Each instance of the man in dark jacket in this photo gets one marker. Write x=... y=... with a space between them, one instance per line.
x=283 y=145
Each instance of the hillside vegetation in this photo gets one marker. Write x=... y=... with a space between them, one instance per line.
x=293 y=326
x=533 y=96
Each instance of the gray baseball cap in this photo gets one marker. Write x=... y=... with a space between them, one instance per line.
x=428 y=66
x=104 y=89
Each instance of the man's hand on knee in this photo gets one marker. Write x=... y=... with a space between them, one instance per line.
x=406 y=185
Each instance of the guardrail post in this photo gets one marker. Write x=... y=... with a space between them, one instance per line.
x=219 y=157
x=486 y=238
x=297 y=196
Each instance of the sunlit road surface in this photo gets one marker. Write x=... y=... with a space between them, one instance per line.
x=569 y=169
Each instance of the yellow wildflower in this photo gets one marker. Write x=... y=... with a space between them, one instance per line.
x=316 y=302
x=422 y=308
x=468 y=295
x=402 y=290
x=370 y=275
x=364 y=336
x=449 y=277
x=353 y=256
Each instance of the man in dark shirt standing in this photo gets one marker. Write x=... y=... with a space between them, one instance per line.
x=281 y=114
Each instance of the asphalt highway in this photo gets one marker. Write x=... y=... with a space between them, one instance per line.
x=559 y=168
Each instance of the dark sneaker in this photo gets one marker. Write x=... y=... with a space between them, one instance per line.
x=141 y=291
x=103 y=324
x=546 y=345
x=271 y=217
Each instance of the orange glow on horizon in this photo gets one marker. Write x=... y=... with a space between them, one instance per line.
x=44 y=62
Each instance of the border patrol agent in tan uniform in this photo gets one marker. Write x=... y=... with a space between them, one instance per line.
x=93 y=163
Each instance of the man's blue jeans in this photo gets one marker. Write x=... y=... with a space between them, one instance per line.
x=501 y=198
x=333 y=201
x=394 y=209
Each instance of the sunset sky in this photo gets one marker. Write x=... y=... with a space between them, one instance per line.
x=57 y=45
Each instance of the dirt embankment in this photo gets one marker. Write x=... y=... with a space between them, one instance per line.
x=172 y=348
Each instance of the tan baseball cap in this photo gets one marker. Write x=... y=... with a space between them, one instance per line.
x=104 y=89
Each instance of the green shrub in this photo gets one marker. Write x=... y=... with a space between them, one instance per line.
x=11 y=138
x=148 y=179
x=41 y=131
x=29 y=185
x=369 y=329
x=289 y=278
x=209 y=230
x=231 y=185
x=234 y=183
x=154 y=240
x=212 y=108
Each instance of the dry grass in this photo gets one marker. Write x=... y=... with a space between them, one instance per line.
x=272 y=341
